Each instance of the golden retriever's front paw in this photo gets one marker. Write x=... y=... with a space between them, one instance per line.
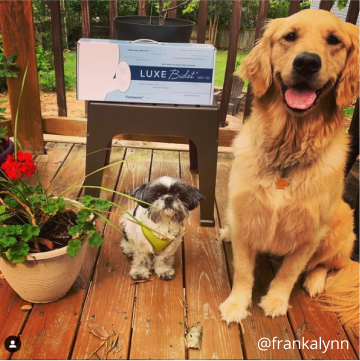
x=274 y=305
x=315 y=283
x=233 y=310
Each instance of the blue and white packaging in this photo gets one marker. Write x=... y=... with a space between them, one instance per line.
x=164 y=73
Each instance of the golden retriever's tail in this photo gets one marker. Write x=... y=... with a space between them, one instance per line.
x=342 y=295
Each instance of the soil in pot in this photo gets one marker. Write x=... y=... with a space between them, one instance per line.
x=55 y=232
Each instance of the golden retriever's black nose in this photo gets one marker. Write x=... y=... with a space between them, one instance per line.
x=307 y=64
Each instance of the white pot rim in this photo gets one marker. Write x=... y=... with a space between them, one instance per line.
x=56 y=252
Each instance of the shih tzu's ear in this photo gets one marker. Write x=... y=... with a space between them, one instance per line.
x=139 y=194
x=195 y=198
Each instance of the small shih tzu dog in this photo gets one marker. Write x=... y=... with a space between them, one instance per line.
x=168 y=202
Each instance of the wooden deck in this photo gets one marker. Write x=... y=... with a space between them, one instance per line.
x=149 y=320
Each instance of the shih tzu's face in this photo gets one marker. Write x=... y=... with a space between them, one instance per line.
x=170 y=197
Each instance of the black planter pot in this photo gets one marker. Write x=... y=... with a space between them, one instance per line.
x=8 y=147
x=139 y=27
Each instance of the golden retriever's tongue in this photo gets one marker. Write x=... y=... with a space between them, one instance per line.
x=300 y=98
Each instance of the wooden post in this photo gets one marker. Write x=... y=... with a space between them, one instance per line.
x=85 y=19
x=85 y=30
x=113 y=12
x=353 y=12
x=172 y=13
x=325 y=5
x=201 y=31
x=231 y=59
x=142 y=7
x=21 y=42
x=294 y=7
x=58 y=56
x=262 y=14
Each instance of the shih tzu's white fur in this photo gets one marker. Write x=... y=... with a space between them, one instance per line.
x=171 y=200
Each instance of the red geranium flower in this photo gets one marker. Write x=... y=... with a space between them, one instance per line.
x=15 y=169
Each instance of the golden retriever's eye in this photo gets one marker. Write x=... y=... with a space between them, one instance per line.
x=291 y=36
x=333 y=40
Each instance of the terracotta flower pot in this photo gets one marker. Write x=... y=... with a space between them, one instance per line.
x=44 y=277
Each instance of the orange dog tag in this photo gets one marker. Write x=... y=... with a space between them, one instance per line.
x=282 y=183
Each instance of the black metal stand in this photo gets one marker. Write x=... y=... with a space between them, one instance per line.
x=197 y=123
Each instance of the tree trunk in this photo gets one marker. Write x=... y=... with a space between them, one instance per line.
x=161 y=12
x=213 y=29
x=216 y=31
x=210 y=28
x=62 y=6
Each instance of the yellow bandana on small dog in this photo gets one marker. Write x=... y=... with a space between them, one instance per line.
x=157 y=243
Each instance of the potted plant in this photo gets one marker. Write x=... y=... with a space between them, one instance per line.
x=159 y=28
x=43 y=238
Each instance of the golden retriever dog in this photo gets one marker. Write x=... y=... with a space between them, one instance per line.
x=286 y=182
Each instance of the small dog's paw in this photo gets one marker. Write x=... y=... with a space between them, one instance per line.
x=137 y=274
x=274 y=305
x=224 y=234
x=167 y=276
x=233 y=310
x=315 y=283
x=127 y=249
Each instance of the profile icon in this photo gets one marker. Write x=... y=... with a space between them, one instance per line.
x=12 y=344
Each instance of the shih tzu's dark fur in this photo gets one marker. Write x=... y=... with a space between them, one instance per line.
x=171 y=201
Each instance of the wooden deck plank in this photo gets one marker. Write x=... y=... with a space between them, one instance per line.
x=256 y=325
x=310 y=323
x=111 y=297
x=207 y=283
x=71 y=173
x=50 y=328
x=159 y=318
x=353 y=335
x=49 y=163
x=12 y=318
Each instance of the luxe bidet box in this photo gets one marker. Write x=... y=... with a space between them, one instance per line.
x=164 y=73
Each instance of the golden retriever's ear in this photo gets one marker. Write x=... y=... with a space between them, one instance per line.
x=349 y=81
x=256 y=67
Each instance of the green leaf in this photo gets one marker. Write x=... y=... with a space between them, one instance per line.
x=10 y=202
x=29 y=232
x=35 y=198
x=87 y=200
x=82 y=216
x=17 y=252
x=3 y=130
x=102 y=204
x=6 y=242
x=4 y=217
x=75 y=229
x=96 y=240
x=73 y=247
x=61 y=204
x=88 y=227
x=2 y=209
x=51 y=208
x=13 y=230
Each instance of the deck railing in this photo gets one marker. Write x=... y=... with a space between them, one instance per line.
x=19 y=39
